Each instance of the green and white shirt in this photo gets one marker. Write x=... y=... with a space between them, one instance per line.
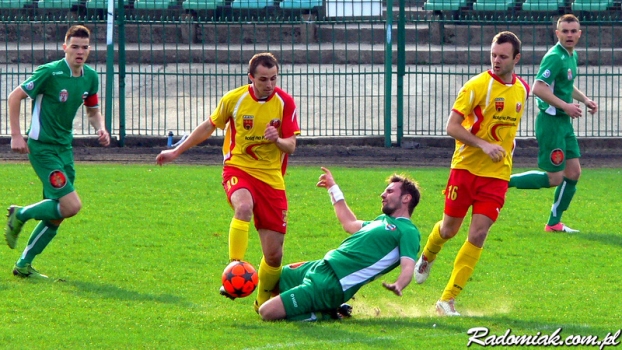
x=57 y=97
x=558 y=69
x=373 y=251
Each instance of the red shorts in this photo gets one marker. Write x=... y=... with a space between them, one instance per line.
x=269 y=204
x=485 y=194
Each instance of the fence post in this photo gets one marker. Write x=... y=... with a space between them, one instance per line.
x=109 y=65
x=121 y=21
x=401 y=62
x=388 y=73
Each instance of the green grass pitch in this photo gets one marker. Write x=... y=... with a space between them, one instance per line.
x=142 y=261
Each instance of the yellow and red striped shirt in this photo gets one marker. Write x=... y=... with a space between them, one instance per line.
x=245 y=119
x=492 y=111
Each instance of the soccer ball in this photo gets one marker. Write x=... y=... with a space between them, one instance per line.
x=239 y=279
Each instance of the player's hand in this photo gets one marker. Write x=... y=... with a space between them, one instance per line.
x=271 y=133
x=393 y=287
x=495 y=152
x=166 y=156
x=592 y=107
x=19 y=145
x=103 y=137
x=326 y=180
x=573 y=110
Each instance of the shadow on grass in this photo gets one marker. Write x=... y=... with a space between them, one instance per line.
x=114 y=292
x=604 y=238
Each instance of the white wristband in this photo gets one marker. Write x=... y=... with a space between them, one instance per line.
x=335 y=194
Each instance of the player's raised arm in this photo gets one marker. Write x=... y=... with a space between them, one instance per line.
x=345 y=215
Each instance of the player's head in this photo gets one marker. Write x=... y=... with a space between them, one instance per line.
x=511 y=38
x=568 y=31
x=77 y=45
x=401 y=193
x=263 y=71
x=504 y=54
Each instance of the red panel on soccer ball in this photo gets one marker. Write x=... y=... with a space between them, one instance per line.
x=239 y=279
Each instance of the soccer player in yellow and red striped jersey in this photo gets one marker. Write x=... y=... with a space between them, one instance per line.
x=483 y=120
x=261 y=126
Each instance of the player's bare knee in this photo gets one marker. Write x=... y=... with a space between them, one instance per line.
x=68 y=210
x=274 y=259
x=244 y=211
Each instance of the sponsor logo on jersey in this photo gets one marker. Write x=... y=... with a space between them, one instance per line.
x=57 y=73
x=547 y=73
x=63 y=96
x=276 y=123
x=247 y=122
x=557 y=156
x=499 y=102
x=518 y=106
x=57 y=179
x=569 y=74
x=30 y=85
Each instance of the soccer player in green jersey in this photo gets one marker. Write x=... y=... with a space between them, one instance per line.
x=374 y=248
x=558 y=153
x=58 y=90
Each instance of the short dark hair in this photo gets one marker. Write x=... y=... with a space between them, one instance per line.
x=265 y=59
x=568 y=18
x=508 y=37
x=78 y=31
x=409 y=186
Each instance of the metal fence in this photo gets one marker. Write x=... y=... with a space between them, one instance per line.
x=169 y=72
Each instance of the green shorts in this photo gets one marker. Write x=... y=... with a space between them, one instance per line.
x=308 y=287
x=557 y=142
x=54 y=167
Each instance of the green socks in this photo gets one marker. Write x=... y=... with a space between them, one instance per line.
x=47 y=209
x=42 y=235
x=563 y=195
x=530 y=180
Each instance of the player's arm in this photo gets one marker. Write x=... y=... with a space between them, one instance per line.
x=18 y=144
x=345 y=215
x=407 y=266
x=201 y=133
x=578 y=95
x=544 y=92
x=458 y=132
x=97 y=122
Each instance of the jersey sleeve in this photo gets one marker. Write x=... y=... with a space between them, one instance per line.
x=549 y=69
x=466 y=99
x=221 y=114
x=35 y=84
x=290 y=119
x=409 y=244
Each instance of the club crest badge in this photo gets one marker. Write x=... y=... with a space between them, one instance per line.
x=57 y=179
x=276 y=123
x=63 y=96
x=247 y=122
x=499 y=103
x=569 y=74
x=557 y=157
x=518 y=106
